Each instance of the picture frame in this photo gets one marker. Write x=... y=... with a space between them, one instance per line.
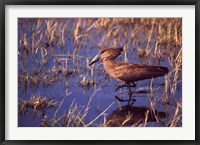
x=3 y=74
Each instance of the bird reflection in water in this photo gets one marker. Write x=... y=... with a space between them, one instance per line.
x=133 y=116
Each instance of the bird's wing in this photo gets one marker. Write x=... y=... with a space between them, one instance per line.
x=130 y=72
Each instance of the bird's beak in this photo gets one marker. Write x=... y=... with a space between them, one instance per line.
x=95 y=59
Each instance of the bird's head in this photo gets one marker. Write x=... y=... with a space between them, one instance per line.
x=107 y=53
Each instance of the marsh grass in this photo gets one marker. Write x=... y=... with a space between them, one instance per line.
x=36 y=104
x=75 y=117
x=53 y=51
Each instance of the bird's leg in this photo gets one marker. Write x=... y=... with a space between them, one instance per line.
x=134 y=85
x=129 y=90
x=125 y=85
x=123 y=100
x=130 y=101
x=130 y=94
x=119 y=87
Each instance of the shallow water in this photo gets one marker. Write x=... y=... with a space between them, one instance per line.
x=70 y=50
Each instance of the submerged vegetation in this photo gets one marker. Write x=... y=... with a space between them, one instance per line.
x=53 y=60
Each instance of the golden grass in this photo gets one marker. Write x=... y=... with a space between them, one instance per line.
x=36 y=104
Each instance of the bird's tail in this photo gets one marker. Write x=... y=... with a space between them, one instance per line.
x=162 y=70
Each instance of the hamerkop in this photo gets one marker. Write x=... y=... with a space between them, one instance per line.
x=127 y=73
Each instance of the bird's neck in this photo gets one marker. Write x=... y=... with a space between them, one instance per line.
x=109 y=64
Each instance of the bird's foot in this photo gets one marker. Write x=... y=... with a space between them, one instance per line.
x=133 y=84
x=125 y=100
x=121 y=86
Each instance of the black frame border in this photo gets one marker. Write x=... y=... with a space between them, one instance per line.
x=3 y=4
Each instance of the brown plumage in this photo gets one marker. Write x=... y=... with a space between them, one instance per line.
x=127 y=72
